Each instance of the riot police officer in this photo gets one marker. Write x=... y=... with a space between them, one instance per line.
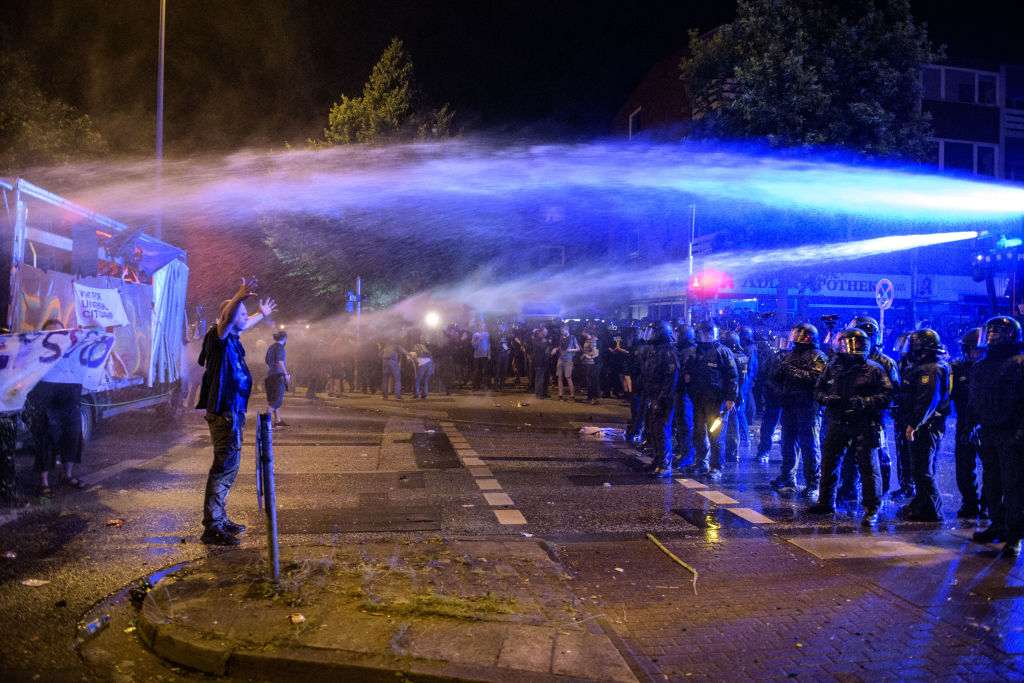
x=996 y=403
x=922 y=411
x=768 y=364
x=737 y=427
x=799 y=370
x=749 y=346
x=849 y=472
x=854 y=391
x=965 y=452
x=711 y=383
x=686 y=348
x=660 y=369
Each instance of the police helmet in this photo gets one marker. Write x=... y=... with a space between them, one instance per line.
x=804 y=333
x=706 y=332
x=661 y=332
x=686 y=335
x=731 y=341
x=870 y=327
x=1001 y=330
x=746 y=334
x=922 y=343
x=970 y=341
x=853 y=342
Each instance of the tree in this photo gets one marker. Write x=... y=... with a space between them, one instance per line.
x=36 y=129
x=834 y=73
x=387 y=109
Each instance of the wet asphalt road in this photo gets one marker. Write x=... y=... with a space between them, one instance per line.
x=359 y=466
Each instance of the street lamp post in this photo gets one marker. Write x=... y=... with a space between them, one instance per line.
x=158 y=228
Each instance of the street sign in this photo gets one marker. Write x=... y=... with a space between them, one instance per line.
x=884 y=294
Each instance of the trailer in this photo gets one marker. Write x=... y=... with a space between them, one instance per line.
x=52 y=244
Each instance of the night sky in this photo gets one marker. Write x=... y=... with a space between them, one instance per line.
x=264 y=72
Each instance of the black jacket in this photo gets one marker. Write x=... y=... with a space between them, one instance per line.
x=660 y=366
x=924 y=395
x=711 y=373
x=996 y=395
x=854 y=392
x=799 y=371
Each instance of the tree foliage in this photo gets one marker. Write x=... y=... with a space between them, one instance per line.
x=834 y=73
x=36 y=129
x=388 y=109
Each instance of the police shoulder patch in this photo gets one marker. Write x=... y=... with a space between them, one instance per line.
x=925 y=379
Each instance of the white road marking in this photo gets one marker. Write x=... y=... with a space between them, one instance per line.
x=496 y=499
x=718 y=497
x=509 y=517
x=691 y=484
x=488 y=484
x=751 y=515
x=480 y=471
x=472 y=462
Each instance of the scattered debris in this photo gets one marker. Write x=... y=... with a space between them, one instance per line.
x=431 y=431
x=607 y=485
x=296 y=617
x=137 y=593
x=116 y=523
x=603 y=432
x=669 y=553
x=468 y=505
x=61 y=603
x=522 y=405
x=34 y=582
x=10 y=554
x=620 y=570
x=528 y=535
x=94 y=626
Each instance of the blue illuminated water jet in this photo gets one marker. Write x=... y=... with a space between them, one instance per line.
x=465 y=174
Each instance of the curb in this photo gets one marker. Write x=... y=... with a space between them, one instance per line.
x=221 y=658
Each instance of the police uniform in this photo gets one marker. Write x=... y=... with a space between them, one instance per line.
x=854 y=392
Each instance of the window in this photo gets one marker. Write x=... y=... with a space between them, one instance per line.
x=959 y=85
x=931 y=80
x=986 y=89
x=986 y=160
x=959 y=156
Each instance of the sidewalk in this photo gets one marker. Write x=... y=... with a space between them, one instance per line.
x=425 y=607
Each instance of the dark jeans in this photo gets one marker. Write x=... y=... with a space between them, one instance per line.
x=684 y=430
x=659 y=422
x=927 y=501
x=737 y=430
x=593 y=381
x=500 y=369
x=800 y=428
x=769 y=421
x=480 y=377
x=707 y=444
x=541 y=380
x=389 y=369
x=992 y=441
x=840 y=439
x=226 y=435
x=965 y=454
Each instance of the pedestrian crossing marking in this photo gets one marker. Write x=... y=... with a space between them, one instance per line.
x=480 y=471
x=691 y=484
x=751 y=515
x=462 y=452
x=472 y=462
x=509 y=517
x=718 y=497
x=496 y=499
x=488 y=484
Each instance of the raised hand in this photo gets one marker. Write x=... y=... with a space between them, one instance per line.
x=247 y=288
x=267 y=306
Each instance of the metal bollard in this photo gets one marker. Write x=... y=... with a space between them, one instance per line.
x=265 y=495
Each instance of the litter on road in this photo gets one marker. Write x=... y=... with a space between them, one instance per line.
x=34 y=582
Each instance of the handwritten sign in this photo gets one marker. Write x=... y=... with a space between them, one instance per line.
x=26 y=358
x=99 y=307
